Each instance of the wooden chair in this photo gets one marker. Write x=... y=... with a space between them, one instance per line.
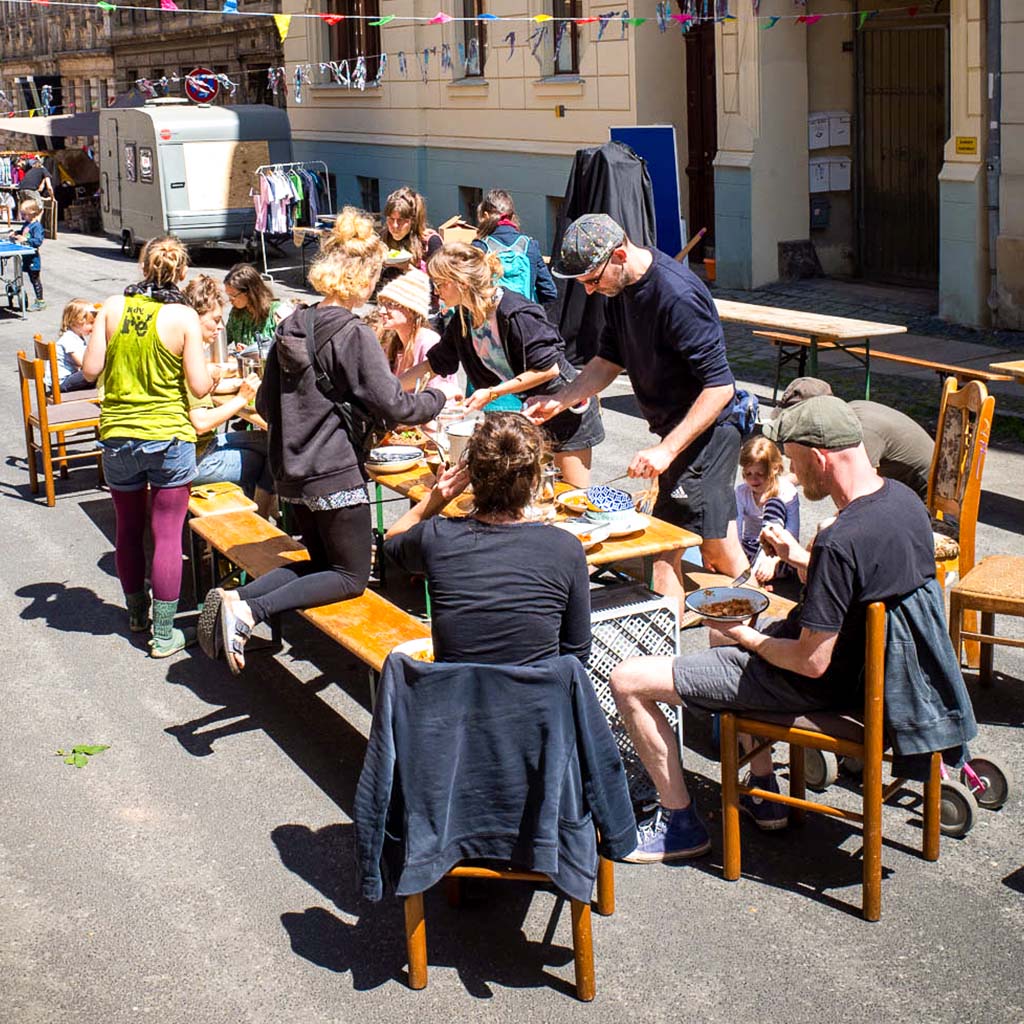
x=582 y=939
x=68 y=418
x=954 y=483
x=861 y=737
x=995 y=586
x=47 y=351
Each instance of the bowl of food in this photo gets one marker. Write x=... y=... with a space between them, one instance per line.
x=608 y=504
x=727 y=604
x=574 y=501
x=393 y=458
x=408 y=436
x=418 y=650
x=588 y=534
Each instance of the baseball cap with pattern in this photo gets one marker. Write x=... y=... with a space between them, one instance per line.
x=820 y=422
x=588 y=242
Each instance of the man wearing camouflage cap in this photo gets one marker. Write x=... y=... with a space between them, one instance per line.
x=663 y=328
x=879 y=547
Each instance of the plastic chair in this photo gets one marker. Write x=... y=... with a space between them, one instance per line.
x=582 y=939
x=54 y=421
x=861 y=737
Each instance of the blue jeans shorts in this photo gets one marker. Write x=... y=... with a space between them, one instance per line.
x=240 y=457
x=129 y=463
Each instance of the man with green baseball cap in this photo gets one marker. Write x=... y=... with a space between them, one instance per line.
x=898 y=448
x=878 y=548
x=663 y=328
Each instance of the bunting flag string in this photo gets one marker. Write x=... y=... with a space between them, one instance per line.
x=691 y=12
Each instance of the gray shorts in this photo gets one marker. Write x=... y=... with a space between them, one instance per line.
x=733 y=679
x=698 y=490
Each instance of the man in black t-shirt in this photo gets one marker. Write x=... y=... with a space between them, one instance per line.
x=663 y=328
x=879 y=547
x=36 y=182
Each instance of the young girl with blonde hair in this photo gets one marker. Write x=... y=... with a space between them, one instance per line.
x=508 y=347
x=75 y=327
x=317 y=468
x=765 y=496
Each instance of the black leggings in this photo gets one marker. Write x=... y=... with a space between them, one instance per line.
x=339 y=544
x=37 y=283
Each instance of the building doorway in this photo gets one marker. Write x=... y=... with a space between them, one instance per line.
x=903 y=124
x=701 y=134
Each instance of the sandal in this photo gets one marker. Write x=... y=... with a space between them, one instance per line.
x=234 y=634
x=208 y=623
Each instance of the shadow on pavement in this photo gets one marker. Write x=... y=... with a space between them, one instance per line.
x=72 y=609
x=482 y=939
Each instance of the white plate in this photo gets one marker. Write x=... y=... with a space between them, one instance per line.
x=696 y=601
x=594 y=532
x=394 y=458
x=623 y=527
x=562 y=502
x=418 y=650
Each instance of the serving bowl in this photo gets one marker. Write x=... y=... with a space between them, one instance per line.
x=394 y=458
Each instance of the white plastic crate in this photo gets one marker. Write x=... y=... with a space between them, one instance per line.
x=628 y=621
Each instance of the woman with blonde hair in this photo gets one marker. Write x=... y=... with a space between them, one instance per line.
x=318 y=469
x=508 y=347
x=148 y=346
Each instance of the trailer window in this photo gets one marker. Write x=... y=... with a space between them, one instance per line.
x=146 y=165
x=129 y=161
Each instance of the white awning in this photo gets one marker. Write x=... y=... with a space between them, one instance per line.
x=54 y=127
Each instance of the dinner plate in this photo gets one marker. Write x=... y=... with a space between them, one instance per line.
x=394 y=458
x=623 y=526
x=589 y=534
x=699 y=599
x=565 y=501
x=418 y=650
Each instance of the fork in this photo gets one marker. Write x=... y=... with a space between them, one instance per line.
x=647 y=498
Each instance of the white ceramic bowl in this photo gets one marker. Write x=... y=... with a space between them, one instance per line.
x=394 y=458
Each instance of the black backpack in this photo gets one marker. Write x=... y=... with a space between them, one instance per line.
x=364 y=430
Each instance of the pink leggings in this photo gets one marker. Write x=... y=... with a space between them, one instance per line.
x=169 y=505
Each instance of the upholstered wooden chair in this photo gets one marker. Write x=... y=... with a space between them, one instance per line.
x=860 y=736
x=954 y=483
x=67 y=425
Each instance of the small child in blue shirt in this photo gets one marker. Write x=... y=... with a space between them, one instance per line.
x=32 y=235
x=76 y=325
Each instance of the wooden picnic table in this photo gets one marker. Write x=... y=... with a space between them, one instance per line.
x=838 y=331
x=657 y=538
x=1015 y=368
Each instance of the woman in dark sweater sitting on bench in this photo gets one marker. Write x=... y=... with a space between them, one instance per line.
x=504 y=590
x=316 y=468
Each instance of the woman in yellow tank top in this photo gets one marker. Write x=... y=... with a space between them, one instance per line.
x=147 y=348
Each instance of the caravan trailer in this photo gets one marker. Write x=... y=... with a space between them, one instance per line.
x=172 y=167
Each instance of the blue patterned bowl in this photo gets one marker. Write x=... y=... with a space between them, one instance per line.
x=611 y=503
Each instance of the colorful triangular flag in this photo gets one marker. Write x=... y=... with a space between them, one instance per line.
x=332 y=19
x=283 y=23
x=230 y=7
x=168 y=5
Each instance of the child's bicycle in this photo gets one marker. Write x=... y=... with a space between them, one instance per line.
x=983 y=782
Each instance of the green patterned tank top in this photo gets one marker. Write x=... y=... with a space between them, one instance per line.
x=144 y=391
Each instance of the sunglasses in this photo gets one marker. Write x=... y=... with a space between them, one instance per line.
x=592 y=280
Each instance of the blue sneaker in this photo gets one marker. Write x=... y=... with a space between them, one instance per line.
x=670 y=835
x=767 y=814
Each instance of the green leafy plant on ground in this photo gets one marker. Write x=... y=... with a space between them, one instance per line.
x=79 y=754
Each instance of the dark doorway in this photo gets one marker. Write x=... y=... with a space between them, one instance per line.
x=903 y=127
x=702 y=133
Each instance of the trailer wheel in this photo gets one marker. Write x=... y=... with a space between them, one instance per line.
x=128 y=244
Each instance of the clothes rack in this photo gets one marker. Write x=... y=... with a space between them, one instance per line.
x=287 y=196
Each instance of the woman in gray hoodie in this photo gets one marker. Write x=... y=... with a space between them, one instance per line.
x=317 y=469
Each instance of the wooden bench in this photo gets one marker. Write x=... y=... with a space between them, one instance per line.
x=368 y=626
x=795 y=346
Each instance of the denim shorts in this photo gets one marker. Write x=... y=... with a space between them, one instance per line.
x=240 y=457
x=129 y=463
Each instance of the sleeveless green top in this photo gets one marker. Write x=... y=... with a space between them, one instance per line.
x=144 y=391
